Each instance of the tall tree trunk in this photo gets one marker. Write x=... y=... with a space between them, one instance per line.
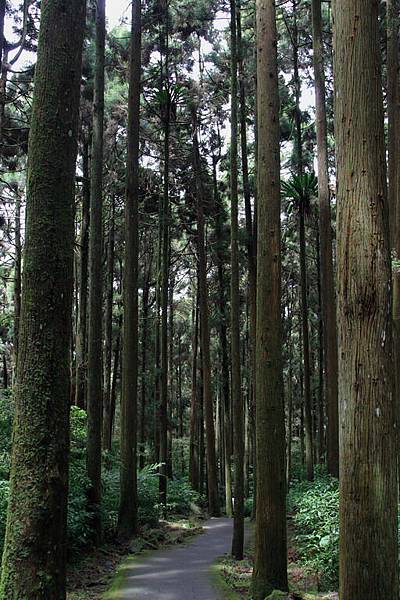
x=143 y=382
x=270 y=569
x=127 y=517
x=237 y=399
x=194 y=404
x=81 y=341
x=328 y=295
x=108 y=331
x=393 y=107
x=95 y=340
x=34 y=557
x=116 y=369
x=368 y=470
x=225 y=375
x=306 y=347
x=164 y=215
x=250 y=231
x=17 y=278
x=3 y=7
x=212 y=477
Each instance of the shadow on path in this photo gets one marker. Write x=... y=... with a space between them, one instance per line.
x=179 y=573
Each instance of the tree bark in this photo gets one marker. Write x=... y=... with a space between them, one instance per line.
x=237 y=399
x=223 y=340
x=212 y=477
x=270 y=570
x=328 y=293
x=368 y=469
x=108 y=331
x=127 y=517
x=34 y=557
x=95 y=340
x=17 y=278
x=194 y=404
x=164 y=216
x=81 y=342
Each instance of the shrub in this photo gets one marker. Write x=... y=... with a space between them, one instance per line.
x=316 y=519
x=79 y=530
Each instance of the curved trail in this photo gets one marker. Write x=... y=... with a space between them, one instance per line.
x=179 y=573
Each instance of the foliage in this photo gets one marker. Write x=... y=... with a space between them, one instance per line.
x=78 y=515
x=316 y=518
x=6 y=423
x=301 y=190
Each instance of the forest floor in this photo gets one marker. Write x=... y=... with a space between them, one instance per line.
x=90 y=578
x=183 y=573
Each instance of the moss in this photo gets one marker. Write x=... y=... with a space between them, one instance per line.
x=220 y=583
x=277 y=595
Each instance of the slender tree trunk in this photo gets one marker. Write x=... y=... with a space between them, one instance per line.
x=5 y=372
x=393 y=105
x=127 y=518
x=95 y=339
x=143 y=383
x=393 y=109
x=166 y=109
x=225 y=375
x=194 y=405
x=34 y=557
x=116 y=369
x=250 y=230
x=270 y=569
x=213 y=498
x=328 y=295
x=237 y=399
x=17 y=278
x=306 y=349
x=3 y=6
x=368 y=457
x=81 y=341
x=108 y=330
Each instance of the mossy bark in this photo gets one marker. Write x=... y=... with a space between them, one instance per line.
x=367 y=415
x=35 y=545
x=270 y=568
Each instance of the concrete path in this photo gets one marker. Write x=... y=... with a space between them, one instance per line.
x=179 y=573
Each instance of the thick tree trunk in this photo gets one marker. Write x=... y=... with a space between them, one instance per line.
x=270 y=569
x=368 y=457
x=127 y=518
x=212 y=478
x=34 y=557
x=237 y=399
x=328 y=294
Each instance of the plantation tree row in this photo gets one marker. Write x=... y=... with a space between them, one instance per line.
x=199 y=215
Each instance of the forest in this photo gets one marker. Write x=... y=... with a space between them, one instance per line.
x=199 y=299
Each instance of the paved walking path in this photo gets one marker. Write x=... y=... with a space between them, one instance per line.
x=179 y=573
